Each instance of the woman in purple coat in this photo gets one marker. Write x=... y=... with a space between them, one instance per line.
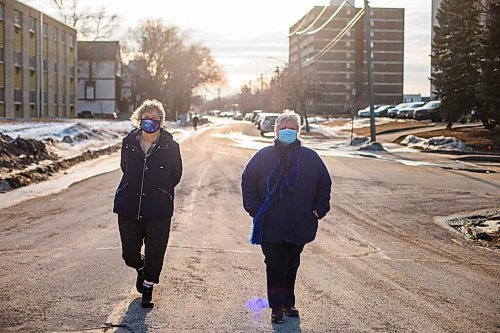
x=286 y=190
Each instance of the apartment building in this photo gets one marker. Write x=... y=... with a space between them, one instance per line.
x=328 y=46
x=37 y=64
x=99 y=78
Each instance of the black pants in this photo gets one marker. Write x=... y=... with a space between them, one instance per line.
x=154 y=234
x=282 y=262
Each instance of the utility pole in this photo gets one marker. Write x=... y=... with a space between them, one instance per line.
x=301 y=85
x=370 y=77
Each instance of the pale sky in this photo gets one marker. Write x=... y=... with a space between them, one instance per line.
x=243 y=34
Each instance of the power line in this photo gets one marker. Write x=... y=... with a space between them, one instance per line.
x=300 y=25
x=313 y=22
x=338 y=37
x=329 y=19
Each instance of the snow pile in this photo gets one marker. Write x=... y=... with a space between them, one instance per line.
x=435 y=143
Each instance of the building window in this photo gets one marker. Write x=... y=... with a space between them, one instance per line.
x=64 y=37
x=18 y=59
x=348 y=43
x=72 y=71
x=64 y=99
x=2 y=12
x=54 y=35
x=33 y=62
x=71 y=41
x=45 y=65
x=72 y=99
x=32 y=26
x=45 y=98
x=348 y=64
x=348 y=54
x=45 y=30
x=56 y=98
x=32 y=96
x=90 y=90
x=18 y=18
x=56 y=66
x=1 y=54
x=2 y=94
x=18 y=96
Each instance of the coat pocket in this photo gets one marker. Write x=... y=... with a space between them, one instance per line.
x=166 y=193
x=122 y=190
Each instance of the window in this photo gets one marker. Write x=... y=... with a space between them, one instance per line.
x=18 y=59
x=348 y=64
x=45 y=98
x=45 y=65
x=54 y=34
x=18 y=19
x=71 y=41
x=2 y=12
x=32 y=26
x=56 y=98
x=1 y=55
x=72 y=71
x=32 y=96
x=32 y=62
x=90 y=90
x=348 y=54
x=2 y=94
x=45 y=30
x=64 y=99
x=64 y=37
x=55 y=67
x=18 y=96
x=71 y=99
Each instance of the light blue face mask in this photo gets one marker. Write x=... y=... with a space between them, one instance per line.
x=287 y=136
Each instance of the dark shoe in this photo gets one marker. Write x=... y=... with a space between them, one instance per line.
x=147 y=296
x=277 y=316
x=291 y=311
x=140 y=280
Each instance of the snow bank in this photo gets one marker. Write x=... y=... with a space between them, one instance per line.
x=435 y=143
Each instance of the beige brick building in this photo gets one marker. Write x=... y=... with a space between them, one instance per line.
x=37 y=64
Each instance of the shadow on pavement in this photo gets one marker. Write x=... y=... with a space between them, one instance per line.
x=134 y=319
x=291 y=325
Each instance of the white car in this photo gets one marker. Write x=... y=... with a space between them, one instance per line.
x=266 y=122
x=366 y=111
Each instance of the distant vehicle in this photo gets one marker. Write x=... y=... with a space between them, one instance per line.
x=382 y=110
x=431 y=110
x=267 y=122
x=364 y=113
x=407 y=112
x=248 y=116
x=392 y=112
x=85 y=114
x=255 y=114
x=237 y=116
x=226 y=114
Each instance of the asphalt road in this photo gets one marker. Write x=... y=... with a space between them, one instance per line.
x=379 y=263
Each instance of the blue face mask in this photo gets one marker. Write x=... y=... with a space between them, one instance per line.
x=150 y=125
x=287 y=136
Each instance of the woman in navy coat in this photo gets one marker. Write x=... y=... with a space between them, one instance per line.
x=286 y=190
x=144 y=201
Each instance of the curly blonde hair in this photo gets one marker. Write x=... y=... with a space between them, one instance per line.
x=148 y=105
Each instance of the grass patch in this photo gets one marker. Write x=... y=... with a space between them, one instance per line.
x=393 y=125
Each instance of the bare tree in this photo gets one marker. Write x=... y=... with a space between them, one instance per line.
x=90 y=24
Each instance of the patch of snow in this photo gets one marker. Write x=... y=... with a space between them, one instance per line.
x=435 y=143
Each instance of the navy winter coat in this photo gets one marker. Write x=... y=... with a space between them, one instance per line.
x=146 y=189
x=290 y=219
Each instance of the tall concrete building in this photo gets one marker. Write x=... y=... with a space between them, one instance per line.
x=37 y=64
x=340 y=71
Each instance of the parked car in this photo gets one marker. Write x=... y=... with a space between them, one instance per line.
x=392 y=112
x=237 y=116
x=248 y=116
x=382 y=110
x=85 y=114
x=407 y=111
x=267 y=122
x=366 y=111
x=431 y=110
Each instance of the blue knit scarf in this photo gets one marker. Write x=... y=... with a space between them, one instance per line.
x=282 y=179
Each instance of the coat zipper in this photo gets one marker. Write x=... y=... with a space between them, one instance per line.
x=142 y=187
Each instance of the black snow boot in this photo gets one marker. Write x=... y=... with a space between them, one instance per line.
x=147 y=296
x=140 y=280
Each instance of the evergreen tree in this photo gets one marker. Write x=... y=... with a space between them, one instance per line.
x=456 y=54
x=489 y=111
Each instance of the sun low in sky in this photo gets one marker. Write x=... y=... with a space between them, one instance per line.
x=248 y=37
